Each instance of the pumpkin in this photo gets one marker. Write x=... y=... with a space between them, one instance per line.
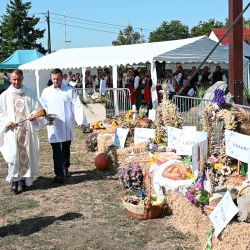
x=101 y=162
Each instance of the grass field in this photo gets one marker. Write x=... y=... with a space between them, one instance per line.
x=84 y=213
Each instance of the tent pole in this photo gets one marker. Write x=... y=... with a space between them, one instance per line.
x=114 y=76
x=83 y=82
x=37 y=83
x=153 y=88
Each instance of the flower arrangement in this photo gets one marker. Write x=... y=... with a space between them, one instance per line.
x=219 y=98
x=131 y=177
x=142 y=113
x=197 y=194
x=91 y=142
x=156 y=145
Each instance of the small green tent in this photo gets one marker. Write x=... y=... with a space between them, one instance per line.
x=20 y=57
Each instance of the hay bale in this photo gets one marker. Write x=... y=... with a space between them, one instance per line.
x=188 y=219
x=104 y=141
x=134 y=153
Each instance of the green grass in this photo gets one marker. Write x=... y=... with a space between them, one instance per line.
x=7 y=207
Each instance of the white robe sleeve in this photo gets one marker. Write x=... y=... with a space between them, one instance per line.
x=78 y=110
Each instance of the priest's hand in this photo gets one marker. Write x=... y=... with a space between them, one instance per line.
x=10 y=125
x=31 y=118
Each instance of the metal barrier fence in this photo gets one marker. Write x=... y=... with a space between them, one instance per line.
x=118 y=100
x=192 y=108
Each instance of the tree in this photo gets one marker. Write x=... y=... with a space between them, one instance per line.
x=128 y=36
x=169 y=31
x=203 y=28
x=17 y=29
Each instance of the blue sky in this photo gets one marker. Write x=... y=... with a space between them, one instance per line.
x=147 y=15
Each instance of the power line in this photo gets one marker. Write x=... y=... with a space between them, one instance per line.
x=81 y=27
x=104 y=23
x=69 y=21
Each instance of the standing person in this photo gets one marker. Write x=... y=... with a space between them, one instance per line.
x=131 y=86
x=178 y=77
x=204 y=78
x=63 y=101
x=218 y=75
x=147 y=90
x=19 y=142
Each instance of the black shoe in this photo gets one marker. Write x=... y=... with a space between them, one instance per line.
x=66 y=173
x=59 y=179
x=23 y=185
x=14 y=187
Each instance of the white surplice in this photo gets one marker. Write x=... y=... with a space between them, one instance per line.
x=65 y=103
x=19 y=146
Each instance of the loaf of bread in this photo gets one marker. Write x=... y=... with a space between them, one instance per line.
x=176 y=171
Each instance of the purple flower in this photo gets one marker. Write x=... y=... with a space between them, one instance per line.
x=219 y=97
x=190 y=196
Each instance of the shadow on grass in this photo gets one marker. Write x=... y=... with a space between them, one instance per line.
x=43 y=183
x=33 y=225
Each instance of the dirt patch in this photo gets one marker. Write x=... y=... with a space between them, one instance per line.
x=84 y=213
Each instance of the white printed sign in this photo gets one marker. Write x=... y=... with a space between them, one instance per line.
x=188 y=140
x=143 y=135
x=173 y=137
x=151 y=114
x=223 y=213
x=191 y=129
x=184 y=140
x=120 y=137
x=199 y=154
x=237 y=145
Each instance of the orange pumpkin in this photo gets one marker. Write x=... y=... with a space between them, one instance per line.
x=101 y=162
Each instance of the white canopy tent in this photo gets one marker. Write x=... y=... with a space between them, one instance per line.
x=190 y=50
x=194 y=53
x=37 y=73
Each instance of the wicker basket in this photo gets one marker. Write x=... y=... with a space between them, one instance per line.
x=145 y=211
x=243 y=190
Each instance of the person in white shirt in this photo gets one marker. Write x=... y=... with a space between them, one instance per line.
x=64 y=102
x=65 y=79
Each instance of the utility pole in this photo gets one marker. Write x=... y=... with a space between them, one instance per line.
x=141 y=34
x=65 y=31
x=49 y=39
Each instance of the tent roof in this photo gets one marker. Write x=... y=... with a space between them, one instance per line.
x=20 y=57
x=105 y=56
x=196 y=52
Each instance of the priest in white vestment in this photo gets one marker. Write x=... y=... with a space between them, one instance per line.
x=64 y=102
x=19 y=142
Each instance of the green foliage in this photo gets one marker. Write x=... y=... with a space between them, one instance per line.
x=169 y=31
x=128 y=36
x=203 y=28
x=201 y=90
x=17 y=29
x=246 y=92
x=204 y=197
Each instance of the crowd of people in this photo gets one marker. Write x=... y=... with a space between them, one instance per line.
x=139 y=82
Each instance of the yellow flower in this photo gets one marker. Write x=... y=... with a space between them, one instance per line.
x=189 y=175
